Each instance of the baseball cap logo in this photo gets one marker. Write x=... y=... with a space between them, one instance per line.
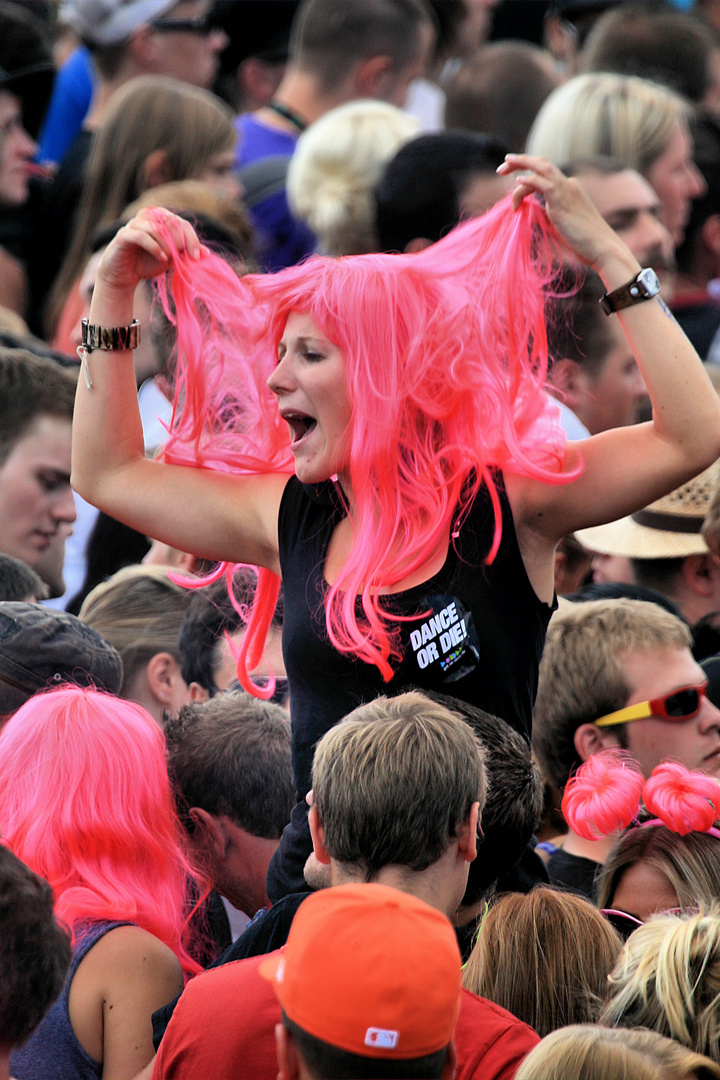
x=381 y=1038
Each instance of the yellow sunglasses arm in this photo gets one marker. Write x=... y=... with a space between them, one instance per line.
x=623 y=716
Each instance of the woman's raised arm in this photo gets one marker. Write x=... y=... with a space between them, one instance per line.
x=625 y=468
x=206 y=513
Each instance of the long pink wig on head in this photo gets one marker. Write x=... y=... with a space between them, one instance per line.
x=85 y=801
x=446 y=360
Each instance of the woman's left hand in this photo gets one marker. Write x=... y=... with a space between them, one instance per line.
x=567 y=206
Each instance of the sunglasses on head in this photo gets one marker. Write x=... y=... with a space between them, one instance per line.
x=201 y=24
x=681 y=704
x=626 y=924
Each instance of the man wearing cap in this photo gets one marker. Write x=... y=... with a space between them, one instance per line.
x=41 y=648
x=127 y=38
x=617 y=673
x=667 y=551
x=344 y=1011
x=339 y=52
x=398 y=789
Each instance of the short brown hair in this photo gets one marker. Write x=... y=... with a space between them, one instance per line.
x=545 y=957
x=394 y=782
x=498 y=90
x=231 y=755
x=581 y=672
x=330 y=36
x=31 y=387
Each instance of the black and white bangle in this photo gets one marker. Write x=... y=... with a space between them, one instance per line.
x=107 y=338
x=110 y=338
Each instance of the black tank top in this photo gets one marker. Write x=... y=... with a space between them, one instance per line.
x=478 y=636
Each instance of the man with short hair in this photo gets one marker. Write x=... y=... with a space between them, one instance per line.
x=208 y=665
x=629 y=205
x=229 y=758
x=338 y=52
x=127 y=38
x=592 y=370
x=36 y=502
x=399 y=785
x=397 y=1015
x=618 y=673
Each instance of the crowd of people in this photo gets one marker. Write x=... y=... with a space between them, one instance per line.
x=359 y=539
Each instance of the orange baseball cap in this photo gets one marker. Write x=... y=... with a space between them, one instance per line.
x=370 y=970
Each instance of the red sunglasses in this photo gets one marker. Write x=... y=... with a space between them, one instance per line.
x=681 y=704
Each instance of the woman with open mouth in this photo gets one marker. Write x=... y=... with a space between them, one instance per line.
x=375 y=431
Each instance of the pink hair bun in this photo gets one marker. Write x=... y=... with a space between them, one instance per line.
x=684 y=801
x=604 y=795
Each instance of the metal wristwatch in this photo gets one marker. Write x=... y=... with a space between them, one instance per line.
x=642 y=287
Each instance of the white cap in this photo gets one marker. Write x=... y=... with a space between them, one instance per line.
x=110 y=22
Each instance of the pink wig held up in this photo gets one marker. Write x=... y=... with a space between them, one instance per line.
x=446 y=360
x=603 y=796
x=85 y=801
x=684 y=801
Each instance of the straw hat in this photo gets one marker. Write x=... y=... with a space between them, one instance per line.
x=666 y=529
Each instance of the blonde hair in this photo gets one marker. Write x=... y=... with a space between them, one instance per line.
x=667 y=978
x=139 y=610
x=148 y=114
x=335 y=167
x=617 y=116
x=197 y=197
x=545 y=957
x=581 y=672
x=395 y=782
x=596 y=1053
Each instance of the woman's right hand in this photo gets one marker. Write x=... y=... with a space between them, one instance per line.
x=141 y=250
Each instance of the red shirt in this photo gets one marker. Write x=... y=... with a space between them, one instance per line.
x=223 y=1028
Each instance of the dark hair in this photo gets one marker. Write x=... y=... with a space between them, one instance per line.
x=19 y=582
x=34 y=950
x=422 y=187
x=30 y=388
x=656 y=574
x=499 y=91
x=578 y=329
x=26 y=61
x=514 y=799
x=231 y=755
x=211 y=615
x=329 y=37
x=326 y=1061
x=654 y=42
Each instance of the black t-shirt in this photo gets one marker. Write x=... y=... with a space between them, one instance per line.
x=476 y=632
x=574 y=872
